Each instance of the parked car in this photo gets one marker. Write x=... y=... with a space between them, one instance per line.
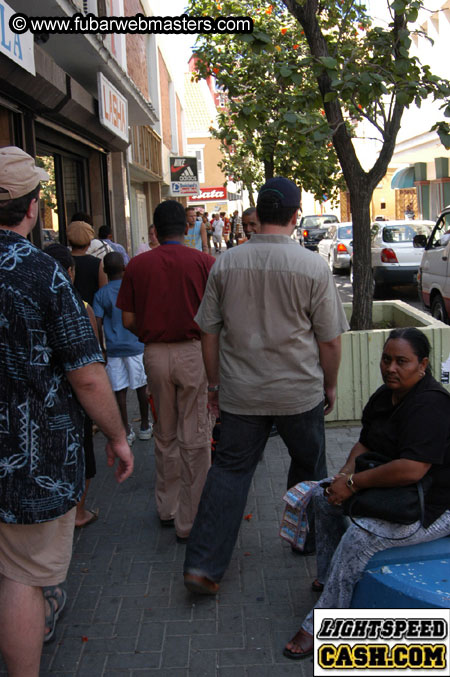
x=434 y=272
x=337 y=246
x=395 y=255
x=313 y=228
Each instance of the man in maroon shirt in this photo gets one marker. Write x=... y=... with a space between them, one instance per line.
x=159 y=297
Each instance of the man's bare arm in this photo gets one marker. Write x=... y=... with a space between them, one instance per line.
x=204 y=238
x=330 y=358
x=93 y=390
x=129 y=321
x=210 y=351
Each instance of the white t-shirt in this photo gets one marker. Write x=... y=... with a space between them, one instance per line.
x=217 y=228
x=99 y=249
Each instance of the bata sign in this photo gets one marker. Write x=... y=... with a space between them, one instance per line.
x=219 y=193
x=113 y=108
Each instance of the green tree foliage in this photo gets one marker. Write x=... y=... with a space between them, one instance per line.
x=274 y=122
x=342 y=66
x=375 y=79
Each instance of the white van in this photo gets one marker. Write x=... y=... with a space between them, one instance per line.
x=434 y=273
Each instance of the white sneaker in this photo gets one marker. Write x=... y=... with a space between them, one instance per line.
x=146 y=434
x=131 y=437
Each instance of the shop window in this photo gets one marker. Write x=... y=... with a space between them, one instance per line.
x=48 y=204
x=63 y=195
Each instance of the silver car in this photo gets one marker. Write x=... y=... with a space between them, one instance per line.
x=337 y=246
x=395 y=259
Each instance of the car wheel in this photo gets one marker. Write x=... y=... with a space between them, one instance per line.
x=379 y=290
x=438 y=310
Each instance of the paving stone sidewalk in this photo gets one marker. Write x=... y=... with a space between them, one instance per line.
x=128 y=612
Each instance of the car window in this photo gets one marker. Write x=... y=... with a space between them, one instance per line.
x=345 y=232
x=320 y=221
x=441 y=235
x=403 y=233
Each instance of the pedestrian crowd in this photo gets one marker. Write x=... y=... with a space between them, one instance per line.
x=250 y=339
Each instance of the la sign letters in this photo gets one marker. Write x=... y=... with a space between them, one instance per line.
x=113 y=108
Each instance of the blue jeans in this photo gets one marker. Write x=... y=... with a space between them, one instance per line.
x=242 y=441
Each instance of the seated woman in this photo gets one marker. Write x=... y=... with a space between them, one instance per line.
x=408 y=420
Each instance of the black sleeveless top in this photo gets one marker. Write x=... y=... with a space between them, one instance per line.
x=86 y=276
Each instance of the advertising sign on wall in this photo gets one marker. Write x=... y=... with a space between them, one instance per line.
x=210 y=194
x=113 y=108
x=183 y=176
x=18 y=48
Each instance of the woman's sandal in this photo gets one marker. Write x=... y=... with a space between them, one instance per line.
x=316 y=586
x=56 y=598
x=303 y=641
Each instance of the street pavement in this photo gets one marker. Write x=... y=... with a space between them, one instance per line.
x=128 y=612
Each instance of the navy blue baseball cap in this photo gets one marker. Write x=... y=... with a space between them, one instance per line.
x=280 y=192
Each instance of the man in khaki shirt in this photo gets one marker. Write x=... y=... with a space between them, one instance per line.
x=271 y=320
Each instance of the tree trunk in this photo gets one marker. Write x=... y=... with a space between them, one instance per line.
x=251 y=196
x=362 y=261
x=268 y=169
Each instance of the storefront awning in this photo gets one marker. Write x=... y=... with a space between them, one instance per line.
x=403 y=178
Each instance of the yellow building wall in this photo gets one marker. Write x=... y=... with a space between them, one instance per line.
x=384 y=195
x=211 y=156
x=384 y=201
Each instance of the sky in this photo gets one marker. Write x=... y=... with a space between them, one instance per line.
x=178 y=48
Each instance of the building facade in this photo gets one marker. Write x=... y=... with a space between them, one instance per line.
x=92 y=109
x=202 y=101
x=422 y=179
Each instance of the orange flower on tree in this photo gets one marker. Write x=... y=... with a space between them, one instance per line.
x=278 y=48
x=269 y=10
x=216 y=70
x=283 y=31
x=294 y=46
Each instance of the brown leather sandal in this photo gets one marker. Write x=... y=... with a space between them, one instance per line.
x=304 y=641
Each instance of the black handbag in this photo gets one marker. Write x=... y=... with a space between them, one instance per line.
x=401 y=505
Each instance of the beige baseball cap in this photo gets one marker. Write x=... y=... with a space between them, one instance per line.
x=80 y=233
x=19 y=174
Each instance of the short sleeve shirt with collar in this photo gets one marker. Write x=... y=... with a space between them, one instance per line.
x=272 y=302
x=44 y=332
x=163 y=288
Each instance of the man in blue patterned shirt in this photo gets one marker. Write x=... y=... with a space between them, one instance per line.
x=50 y=364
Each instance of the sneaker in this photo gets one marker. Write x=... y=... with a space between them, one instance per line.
x=131 y=437
x=146 y=434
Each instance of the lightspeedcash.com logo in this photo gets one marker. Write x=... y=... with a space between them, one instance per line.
x=381 y=642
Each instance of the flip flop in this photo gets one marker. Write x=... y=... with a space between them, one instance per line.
x=59 y=595
x=91 y=520
x=298 y=655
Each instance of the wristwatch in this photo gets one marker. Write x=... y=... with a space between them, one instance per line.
x=213 y=389
x=350 y=483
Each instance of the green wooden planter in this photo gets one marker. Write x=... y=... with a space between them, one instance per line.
x=359 y=373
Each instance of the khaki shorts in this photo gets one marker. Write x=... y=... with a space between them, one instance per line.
x=37 y=554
